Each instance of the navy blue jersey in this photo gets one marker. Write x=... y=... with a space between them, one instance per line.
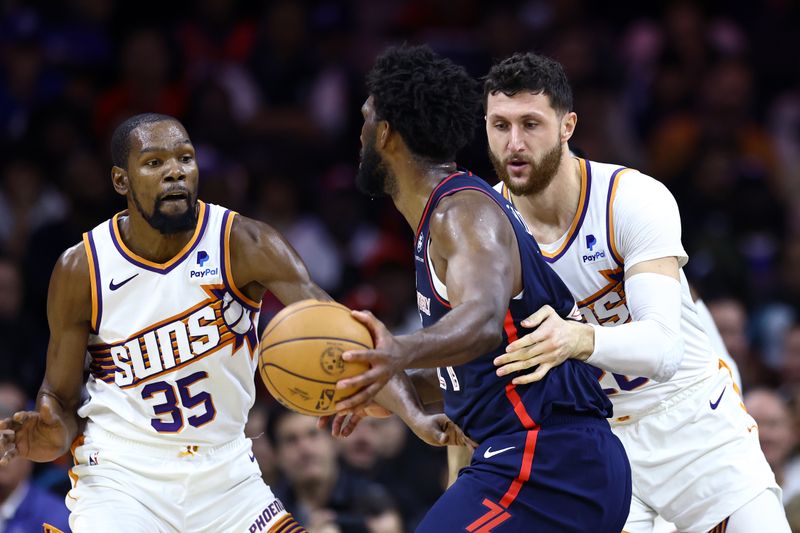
x=481 y=403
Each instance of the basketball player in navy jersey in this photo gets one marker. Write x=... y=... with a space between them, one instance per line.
x=546 y=459
x=165 y=297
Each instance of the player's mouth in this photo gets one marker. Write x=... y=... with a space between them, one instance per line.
x=517 y=167
x=174 y=197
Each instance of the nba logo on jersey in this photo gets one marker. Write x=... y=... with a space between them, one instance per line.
x=419 y=244
x=93 y=458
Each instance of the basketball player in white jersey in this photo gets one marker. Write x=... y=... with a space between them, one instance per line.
x=613 y=235
x=165 y=297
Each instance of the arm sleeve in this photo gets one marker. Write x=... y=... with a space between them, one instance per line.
x=647 y=223
x=651 y=345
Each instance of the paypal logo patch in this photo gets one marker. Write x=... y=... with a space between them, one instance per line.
x=202 y=257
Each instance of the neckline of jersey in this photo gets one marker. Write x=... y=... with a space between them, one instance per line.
x=162 y=268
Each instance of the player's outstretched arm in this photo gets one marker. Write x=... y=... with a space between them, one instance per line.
x=262 y=260
x=474 y=250
x=650 y=346
x=46 y=433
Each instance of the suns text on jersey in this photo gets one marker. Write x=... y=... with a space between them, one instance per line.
x=201 y=330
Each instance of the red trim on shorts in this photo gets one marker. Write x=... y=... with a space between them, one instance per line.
x=530 y=446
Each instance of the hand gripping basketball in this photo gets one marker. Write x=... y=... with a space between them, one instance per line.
x=300 y=357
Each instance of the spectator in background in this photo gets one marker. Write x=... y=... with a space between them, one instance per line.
x=323 y=496
x=23 y=347
x=147 y=83
x=730 y=317
x=27 y=202
x=777 y=433
x=379 y=450
x=255 y=430
x=790 y=362
x=23 y=505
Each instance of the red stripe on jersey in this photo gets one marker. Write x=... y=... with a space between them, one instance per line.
x=519 y=407
x=530 y=445
x=510 y=328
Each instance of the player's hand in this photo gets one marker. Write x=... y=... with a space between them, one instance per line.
x=342 y=425
x=438 y=430
x=552 y=342
x=35 y=435
x=384 y=361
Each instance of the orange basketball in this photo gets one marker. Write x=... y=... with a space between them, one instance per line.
x=300 y=356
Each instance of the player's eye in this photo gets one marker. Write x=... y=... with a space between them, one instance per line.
x=153 y=162
x=502 y=126
x=186 y=159
x=530 y=124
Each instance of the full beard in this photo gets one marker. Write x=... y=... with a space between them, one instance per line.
x=540 y=175
x=373 y=177
x=169 y=224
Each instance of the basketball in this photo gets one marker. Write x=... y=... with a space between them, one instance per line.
x=300 y=356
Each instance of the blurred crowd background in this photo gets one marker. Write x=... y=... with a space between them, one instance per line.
x=705 y=98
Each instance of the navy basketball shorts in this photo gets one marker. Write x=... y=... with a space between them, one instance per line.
x=570 y=474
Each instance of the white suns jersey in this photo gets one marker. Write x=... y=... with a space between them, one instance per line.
x=625 y=217
x=172 y=345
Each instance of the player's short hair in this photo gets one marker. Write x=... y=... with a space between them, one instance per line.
x=432 y=102
x=530 y=72
x=120 y=140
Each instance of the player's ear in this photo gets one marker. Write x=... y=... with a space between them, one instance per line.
x=119 y=177
x=568 y=123
x=383 y=133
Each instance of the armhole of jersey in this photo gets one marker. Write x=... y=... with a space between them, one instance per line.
x=227 y=275
x=612 y=194
x=94 y=282
x=439 y=288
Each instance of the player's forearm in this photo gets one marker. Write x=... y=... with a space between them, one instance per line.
x=652 y=345
x=426 y=383
x=471 y=329
x=400 y=397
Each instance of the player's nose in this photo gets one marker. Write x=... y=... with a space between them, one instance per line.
x=173 y=171
x=516 y=142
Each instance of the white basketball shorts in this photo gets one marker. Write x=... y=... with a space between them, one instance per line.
x=695 y=459
x=119 y=485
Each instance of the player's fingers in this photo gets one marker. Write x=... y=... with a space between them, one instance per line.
x=21 y=417
x=7 y=439
x=519 y=366
x=338 y=422
x=8 y=455
x=540 y=372
x=370 y=357
x=351 y=424
x=528 y=340
x=538 y=317
x=323 y=421
x=359 y=399
x=362 y=380
x=368 y=319
x=519 y=355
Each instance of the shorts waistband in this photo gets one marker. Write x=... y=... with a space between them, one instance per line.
x=167 y=450
x=663 y=405
x=561 y=418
